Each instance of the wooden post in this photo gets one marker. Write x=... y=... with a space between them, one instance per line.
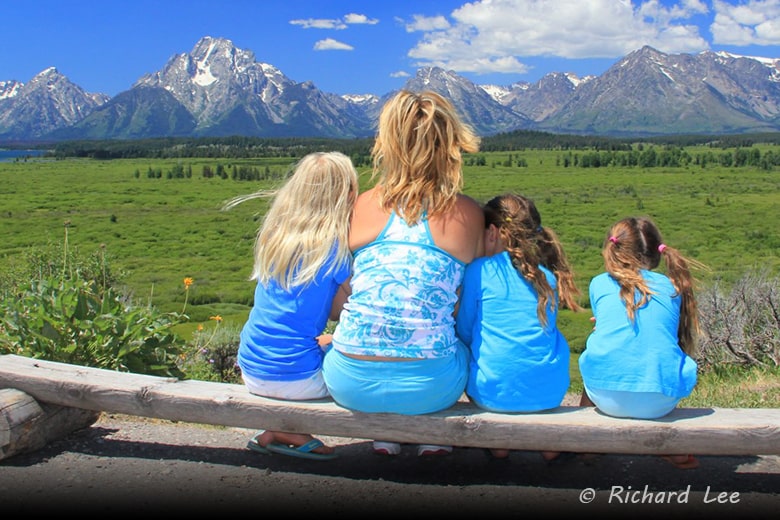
x=26 y=425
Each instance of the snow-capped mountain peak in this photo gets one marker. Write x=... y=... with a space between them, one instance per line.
x=218 y=89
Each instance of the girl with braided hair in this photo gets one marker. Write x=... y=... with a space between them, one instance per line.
x=519 y=360
x=637 y=362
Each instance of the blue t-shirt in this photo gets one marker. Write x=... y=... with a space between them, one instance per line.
x=643 y=356
x=278 y=341
x=516 y=365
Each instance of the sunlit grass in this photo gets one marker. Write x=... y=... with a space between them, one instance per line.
x=161 y=230
x=733 y=387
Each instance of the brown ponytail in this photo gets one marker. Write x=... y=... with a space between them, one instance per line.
x=636 y=243
x=530 y=245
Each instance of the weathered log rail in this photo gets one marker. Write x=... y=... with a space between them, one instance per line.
x=705 y=431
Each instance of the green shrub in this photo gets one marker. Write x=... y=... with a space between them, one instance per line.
x=55 y=261
x=63 y=307
x=75 y=321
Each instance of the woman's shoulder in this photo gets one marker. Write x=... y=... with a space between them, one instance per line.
x=468 y=213
x=368 y=220
x=366 y=197
x=467 y=203
x=459 y=230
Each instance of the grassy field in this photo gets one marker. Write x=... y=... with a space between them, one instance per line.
x=160 y=230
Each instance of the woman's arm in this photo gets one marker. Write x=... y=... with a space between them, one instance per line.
x=339 y=300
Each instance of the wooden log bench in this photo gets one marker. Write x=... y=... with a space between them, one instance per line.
x=704 y=431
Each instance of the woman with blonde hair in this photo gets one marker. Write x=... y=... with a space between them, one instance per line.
x=302 y=260
x=395 y=348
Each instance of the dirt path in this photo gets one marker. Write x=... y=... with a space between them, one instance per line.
x=128 y=464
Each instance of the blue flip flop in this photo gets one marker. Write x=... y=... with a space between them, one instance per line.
x=255 y=446
x=304 y=451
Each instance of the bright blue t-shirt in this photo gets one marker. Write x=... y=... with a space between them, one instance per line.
x=643 y=356
x=516 y=364
x=278 y=341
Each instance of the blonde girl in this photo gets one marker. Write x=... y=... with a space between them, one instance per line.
x=302 y=259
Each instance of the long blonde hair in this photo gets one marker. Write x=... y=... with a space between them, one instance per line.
x=635 y=243
x=530 y=245
x=417 y=154
x=308 y=218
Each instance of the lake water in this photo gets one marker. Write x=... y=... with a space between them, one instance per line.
x=10 y=155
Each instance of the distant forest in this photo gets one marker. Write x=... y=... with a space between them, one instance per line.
x=359 y=150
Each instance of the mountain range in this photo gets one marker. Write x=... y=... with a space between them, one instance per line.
x=218 y=89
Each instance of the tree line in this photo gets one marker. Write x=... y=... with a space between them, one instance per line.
x=673 y=157
x=242 y=147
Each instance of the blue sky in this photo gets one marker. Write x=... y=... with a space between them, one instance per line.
x=358 y=47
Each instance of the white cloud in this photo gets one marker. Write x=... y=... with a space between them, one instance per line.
x=661 y=14
x=399 y=74
x=755 y=22
x=334 y=24
x=494 y=35
x=427 y=23
x=329 y=44
x=320 y=23
x=360 y=19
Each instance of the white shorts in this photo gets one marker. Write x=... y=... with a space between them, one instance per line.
x=637 y=405
x=299 y=390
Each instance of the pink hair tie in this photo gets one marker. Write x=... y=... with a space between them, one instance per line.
x=661 y=248
x=613 y=239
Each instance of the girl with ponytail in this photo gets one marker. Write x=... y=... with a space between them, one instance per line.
x=638 y=360
x=508 y=310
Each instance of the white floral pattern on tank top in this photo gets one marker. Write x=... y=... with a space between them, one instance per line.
x=403 y=296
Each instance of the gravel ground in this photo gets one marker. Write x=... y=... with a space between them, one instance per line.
x=127 y=464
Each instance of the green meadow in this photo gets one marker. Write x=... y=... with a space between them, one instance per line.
x=160 y=220
x=157 y=231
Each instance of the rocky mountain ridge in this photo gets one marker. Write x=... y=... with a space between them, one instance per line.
x=218 y=89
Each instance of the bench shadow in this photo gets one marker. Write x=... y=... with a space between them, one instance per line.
x=464 y=467
x=677 y=414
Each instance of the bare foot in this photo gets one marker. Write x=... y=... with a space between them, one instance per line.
x=681 y=461
x=499 y=453
x=585 y=400
x=291 y=439
x=550 y=455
